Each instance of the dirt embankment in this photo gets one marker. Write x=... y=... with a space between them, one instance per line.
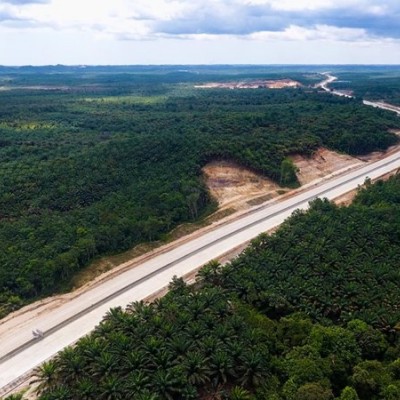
x=322 y=163
x=235 y=186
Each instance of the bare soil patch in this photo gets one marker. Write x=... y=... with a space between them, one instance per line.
x=233 y=185
x=255 y=84
x=322 y=163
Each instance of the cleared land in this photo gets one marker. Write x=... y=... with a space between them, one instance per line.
x=254 y=84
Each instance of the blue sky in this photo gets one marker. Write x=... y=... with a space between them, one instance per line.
x=41 y=32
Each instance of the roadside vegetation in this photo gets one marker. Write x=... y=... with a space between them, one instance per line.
x=308 y=313
x=92 y=163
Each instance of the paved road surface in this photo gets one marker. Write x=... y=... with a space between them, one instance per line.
x=20 y=353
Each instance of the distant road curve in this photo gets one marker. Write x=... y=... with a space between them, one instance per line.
x=377 y=104
x=20 y=352
x=383 y=106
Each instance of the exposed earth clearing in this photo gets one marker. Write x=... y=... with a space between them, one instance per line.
x=323 y=162
x=235 y=186
x=256 y=84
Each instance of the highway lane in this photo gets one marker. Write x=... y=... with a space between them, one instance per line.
x=67 y=323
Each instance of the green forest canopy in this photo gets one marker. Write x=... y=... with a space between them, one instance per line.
x=96 y=162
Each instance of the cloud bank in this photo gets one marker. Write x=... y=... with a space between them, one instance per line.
x=249 y=19
x=204 y=25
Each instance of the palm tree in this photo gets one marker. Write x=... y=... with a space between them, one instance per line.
x=120 y=344
x=85 y=389
x=71 y=364
x=116 y=316
x=196 y=368
x=209 y=345
x=91 y=346
x=163 y=359
x=221 y=368
x=152 y=345
x=180 y=345
x=47 y=376
x=136 y=382
x=178 y=286
x=146 y=395
x=132 y=361
x=167 y=383
x=141 y=310
x=189 y=392
x=111 y=388
x=210 y=273
x=238 y=393
x=252 y=370
x=104 y=365
x=195 y=331
x=58 y=393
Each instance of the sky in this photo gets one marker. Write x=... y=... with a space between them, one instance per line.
x=120 y=32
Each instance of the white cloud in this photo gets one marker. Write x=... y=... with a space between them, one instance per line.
x=295 y=33
x=206 y=21
x=185 y=18
x=292 y=5
x=309 y=5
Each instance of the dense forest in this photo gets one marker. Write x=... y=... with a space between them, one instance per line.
x=308 y=313
x=95 y=162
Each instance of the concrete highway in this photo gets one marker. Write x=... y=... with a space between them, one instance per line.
x=20 y=351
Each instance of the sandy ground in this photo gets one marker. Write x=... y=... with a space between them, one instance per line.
x=255 y=84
